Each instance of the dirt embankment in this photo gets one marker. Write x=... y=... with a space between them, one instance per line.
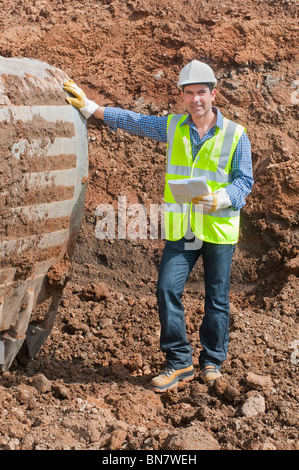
x=88 y=386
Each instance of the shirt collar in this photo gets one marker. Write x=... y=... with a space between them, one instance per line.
x=219 y=121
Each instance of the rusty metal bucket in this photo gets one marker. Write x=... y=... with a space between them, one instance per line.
x=43 y=178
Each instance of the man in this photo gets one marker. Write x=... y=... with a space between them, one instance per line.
x=203 y=143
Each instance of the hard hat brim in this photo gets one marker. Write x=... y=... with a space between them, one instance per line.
x=192 y=82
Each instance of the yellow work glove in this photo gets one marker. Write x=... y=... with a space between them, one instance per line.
x=214 y=201
x=85 y=106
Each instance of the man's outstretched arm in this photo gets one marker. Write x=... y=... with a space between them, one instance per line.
x=152 y=127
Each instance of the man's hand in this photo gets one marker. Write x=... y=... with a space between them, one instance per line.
x=85 y=106
x=214 y=201
x=209 y=202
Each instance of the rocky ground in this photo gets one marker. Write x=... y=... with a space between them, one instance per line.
x=88 y=386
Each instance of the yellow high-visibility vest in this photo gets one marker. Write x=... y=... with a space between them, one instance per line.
x=212 y=161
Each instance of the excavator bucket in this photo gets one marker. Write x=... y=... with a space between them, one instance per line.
x=43 y=175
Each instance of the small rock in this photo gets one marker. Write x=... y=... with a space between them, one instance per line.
x=11 y=445
x=135 y=362
x=257 y=444
x=96 y=292
x=117 y=439
x=194 y=437
x=61 y=392
x=228 y=391
x=259 y=382
x=231 y=393
x=220 y=386
x=159 y=74
x=105 y=322
x=25 y=395
x=41 y=383
x=253 y=406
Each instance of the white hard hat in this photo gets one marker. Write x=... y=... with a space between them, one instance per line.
x=196 y=72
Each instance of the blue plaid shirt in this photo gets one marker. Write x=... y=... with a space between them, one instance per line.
x=155 y=127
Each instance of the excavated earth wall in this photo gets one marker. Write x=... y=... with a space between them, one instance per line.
x=88 y=386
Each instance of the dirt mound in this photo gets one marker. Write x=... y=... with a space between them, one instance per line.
x=87 y=388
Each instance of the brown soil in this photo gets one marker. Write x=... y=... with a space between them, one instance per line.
x=88 y=386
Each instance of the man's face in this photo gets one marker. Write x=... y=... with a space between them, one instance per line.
x=198 y=99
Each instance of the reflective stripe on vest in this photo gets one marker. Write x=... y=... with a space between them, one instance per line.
x=214 y=162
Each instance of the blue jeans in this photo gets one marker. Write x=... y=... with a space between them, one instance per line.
x=176 y=265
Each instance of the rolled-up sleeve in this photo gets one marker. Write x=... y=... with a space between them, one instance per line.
x=152 y=127
x=242 y=177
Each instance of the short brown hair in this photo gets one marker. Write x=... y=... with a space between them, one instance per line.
x=211 y=86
